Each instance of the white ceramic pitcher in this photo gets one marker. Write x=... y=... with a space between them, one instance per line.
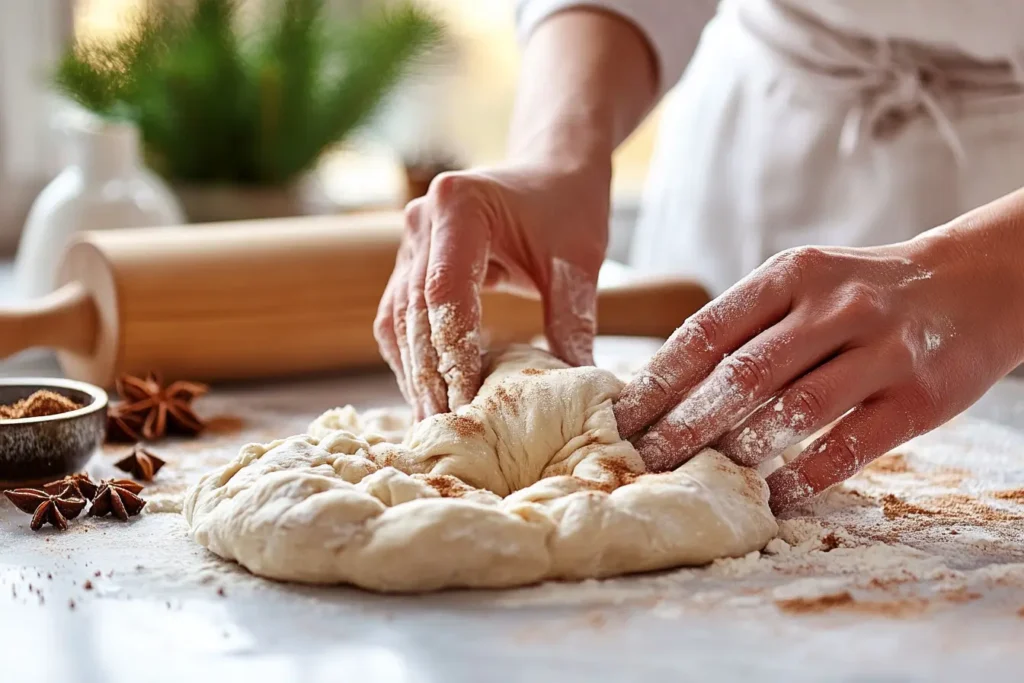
x=107 y=186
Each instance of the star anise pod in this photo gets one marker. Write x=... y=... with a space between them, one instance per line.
x=124 y=425
x=142 y=464
x=118 y=497
x=73 y=486
x=164 y=409
x=45 y=507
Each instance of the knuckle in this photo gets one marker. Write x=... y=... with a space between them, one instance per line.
x=920 y=403
x=844 y=450
x=699 y=333
x=383 y=330
x=798 y=262
x=448 y=187
x=861 y=301
x=655 y=389
x=413 y=212
x=749 y=372
x=398 y=317
x=810 y=402
x=440 y=285
x=903 y=355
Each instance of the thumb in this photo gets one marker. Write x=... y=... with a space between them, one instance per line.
x=570 y=313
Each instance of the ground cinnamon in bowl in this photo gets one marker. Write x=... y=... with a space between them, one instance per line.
x=40 y=404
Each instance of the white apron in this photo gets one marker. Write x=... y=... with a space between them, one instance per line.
x=784 y=132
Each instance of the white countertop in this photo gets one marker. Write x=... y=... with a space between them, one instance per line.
x=156 y=612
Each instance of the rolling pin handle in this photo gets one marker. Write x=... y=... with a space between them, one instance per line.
x=65 y=319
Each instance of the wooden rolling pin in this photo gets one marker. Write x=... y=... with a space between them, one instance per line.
x=260 y=299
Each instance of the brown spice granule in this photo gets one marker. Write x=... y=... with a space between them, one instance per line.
x=502 y=398
x=845 y=601
x=893 y=463
x=893 y=507
x=830 y=542
x=87 y=585
x=40 y=404
x=621 y=472
x=962 y=507
x=464 y=427
x=815 y=605
x=888 y=582
x=447 y=485
x=1014 y=495
x=959 y=595
x=621 y=475
x=534 y=371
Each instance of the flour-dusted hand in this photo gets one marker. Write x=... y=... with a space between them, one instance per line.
x=534 y=230
x=890 y=341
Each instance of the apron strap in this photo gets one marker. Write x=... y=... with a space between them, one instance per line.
x=889 y=82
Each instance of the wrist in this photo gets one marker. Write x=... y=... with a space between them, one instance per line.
x=570 y=141
x=984 y=247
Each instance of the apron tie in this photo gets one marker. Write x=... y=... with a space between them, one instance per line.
x=889 y=82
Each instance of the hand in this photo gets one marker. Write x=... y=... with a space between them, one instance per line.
x=891 y=341
x=533 y=229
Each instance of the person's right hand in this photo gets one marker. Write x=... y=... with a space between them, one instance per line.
x=533 y=229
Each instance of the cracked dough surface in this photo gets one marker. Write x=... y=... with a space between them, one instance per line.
x=529 y=482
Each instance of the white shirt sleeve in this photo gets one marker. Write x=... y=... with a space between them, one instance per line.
x=673 y=27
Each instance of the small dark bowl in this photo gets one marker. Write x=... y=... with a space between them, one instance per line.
x=36 y=450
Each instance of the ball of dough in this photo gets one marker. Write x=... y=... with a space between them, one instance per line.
x=529 y=482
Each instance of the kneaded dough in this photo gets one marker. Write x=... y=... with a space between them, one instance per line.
x=529 y=482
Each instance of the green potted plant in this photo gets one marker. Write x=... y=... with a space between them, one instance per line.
x=235 y=119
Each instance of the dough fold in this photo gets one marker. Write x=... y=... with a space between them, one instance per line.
x=529 y=482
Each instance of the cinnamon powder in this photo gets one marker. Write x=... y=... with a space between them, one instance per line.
x=1013 y=495
x=447 y=485
x=40 y=404
x=892 y=463
x=893 y=507
x=844 y=601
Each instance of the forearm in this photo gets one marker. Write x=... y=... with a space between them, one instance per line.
x=588 y=78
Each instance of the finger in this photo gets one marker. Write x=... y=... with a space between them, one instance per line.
x=432 y=393
x=869 y=431
x=809 y=404
x=459 y=246
x=698 y=345
x=400 y=304
x=570 y=313
x=384 y=333
x=739 y=384
x=384 y=330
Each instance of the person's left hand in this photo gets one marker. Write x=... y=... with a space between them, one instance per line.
x=893 y=340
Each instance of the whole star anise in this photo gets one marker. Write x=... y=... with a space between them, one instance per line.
x=124 y=425
x=162 y=409
x=140 y=463
x=118 y=497
x=73 y=486
x=46 y=508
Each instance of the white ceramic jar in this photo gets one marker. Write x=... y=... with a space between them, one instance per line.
x=107 y=186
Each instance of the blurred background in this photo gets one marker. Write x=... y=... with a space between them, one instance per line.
x=448 y=107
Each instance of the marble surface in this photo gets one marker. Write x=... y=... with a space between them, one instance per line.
x=133 y=602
